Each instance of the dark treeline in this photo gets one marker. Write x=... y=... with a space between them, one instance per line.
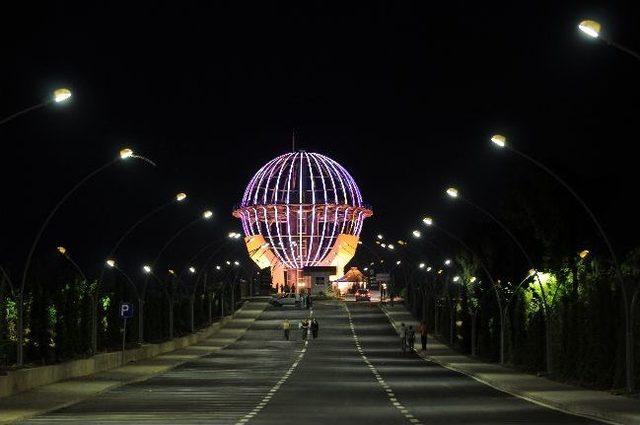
x=59 y=305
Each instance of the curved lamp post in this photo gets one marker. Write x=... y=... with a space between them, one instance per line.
x=125 y=154
x=593 y=29
x=58 y=96
x=452 y=192
x=501 y=141
x=206 y=215
x=430 y=222
x=94 y=309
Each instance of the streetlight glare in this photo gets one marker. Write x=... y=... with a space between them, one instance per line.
x=398 y=262
x=417 y=233
x=384 y=245
x=499 y=140
x=380 y=237
x=192 y=269
x=391 y=247
x=473 y=279
x=447 y=262
x=421 y=265
x=146 y=268
x=584 y=253
x=218 y=267
x=591 y=28
x=428 y=221
x=111 y=263
x=60 y=95
x=452 y=192
x=456 y=278
x=171 y=271
x=207 y=214
x=236 y=263
x=126 y=153
x=429 y=269
x=181 y=196
x=62 y=250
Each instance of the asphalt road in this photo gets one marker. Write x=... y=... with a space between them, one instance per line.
x=354 y=373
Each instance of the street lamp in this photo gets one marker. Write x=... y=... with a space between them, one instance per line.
x=63 y=251
x=583 y=254
x=456 y=278
x=111 y=263
x=452 y=192
x=58 y=96
x=593 y=29
x=421 y=265
x=146 y=268
x=20 y=325
x=207 y=214
x=380 y=237
x=447 y=262
x=416 y=234
x=192 y=269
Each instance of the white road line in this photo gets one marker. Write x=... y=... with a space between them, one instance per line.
x=390 y=394
x=265 y=400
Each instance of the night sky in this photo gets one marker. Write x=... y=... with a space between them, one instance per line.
x=404 y=94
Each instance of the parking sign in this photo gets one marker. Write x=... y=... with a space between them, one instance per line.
x=126 y=310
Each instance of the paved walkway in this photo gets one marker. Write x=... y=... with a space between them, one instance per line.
x=61 y=394
x=594 y=404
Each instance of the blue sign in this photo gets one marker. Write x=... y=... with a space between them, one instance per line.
x=126 y=310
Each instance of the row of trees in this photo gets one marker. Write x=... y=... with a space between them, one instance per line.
x=58 y=311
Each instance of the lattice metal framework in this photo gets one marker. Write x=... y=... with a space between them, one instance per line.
x=300 y=202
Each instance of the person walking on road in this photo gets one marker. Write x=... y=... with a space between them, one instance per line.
x=422 y=329
x=403 y=337
x=314 y=328
x=285 y=327
x=304 y=326
x=411 y=337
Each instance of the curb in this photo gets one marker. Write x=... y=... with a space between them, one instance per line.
x=610 y=418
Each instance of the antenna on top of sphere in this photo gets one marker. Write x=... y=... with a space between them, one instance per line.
x=293 y=140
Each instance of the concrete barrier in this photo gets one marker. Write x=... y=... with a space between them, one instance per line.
x=27 y=378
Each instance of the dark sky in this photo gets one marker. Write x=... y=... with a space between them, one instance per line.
x=404 y=94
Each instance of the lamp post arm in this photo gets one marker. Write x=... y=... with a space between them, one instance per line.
x=24 y=111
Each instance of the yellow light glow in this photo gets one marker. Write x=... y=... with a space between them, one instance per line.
x=428 y=221
x=207 y=214
x=181 y=196
x=499 y=140
x=192 y=270
x=384 y=245
x=146 y=268
x=591 y=28
x=473 y=279
x=584 y=253
x=391 y=247
x=532 y=272
x=417 y=233
x=62 y=250
x=111 y=263
x=126 y=153
x=456 y=278
x=60 y=95
x=447 y=262
x=421 y=265
x=440 y=271
x=171 y=271
x=452 y=192
x=380 y=236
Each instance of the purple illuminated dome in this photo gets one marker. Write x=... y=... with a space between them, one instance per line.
x=302 y=209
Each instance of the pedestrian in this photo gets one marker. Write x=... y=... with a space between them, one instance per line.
x=304 y=326
x=314 y=328
x=309 y=302
x=411 y=337
x=285 y=327
x=422 y=329
x=403 y=337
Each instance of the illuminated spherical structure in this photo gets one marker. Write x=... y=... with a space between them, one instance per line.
x=302 y=210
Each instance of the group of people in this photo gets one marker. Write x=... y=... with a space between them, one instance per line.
x=408 y=336
x=306 y=326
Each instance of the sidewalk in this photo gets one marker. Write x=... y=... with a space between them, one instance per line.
x=61 y=394
x=594 y=404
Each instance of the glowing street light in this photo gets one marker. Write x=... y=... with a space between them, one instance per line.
x=590 y=28
x=181 y=196
x=126 y=153
x=416 y=234
x=447 y=262
x=398 y=262
x=61 y=94
x=456 y=278
x=146 y=268
x=207 y=214
x=172 y=272
x=192 y=269
x=111 y=263
x=472 y=279
x=428 y=221
x=62 y=250
x=452 y=192
x=429 y=268
x=499 y=140
x=583 y=254
x=218 y=267
x=384 y=245
x=391 y=247
x=422 y=265
x=380 y=237
x=236 y=263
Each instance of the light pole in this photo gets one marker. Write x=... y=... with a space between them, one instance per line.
x=593 y=30
x=453 y=193
x=206 y=215
x=63 y=251
x=125 y=154
x=501 y=141
x=430 y=222
x=58 y=96
x=112 y=253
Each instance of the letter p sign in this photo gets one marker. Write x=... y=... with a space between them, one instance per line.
x=126 y=310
